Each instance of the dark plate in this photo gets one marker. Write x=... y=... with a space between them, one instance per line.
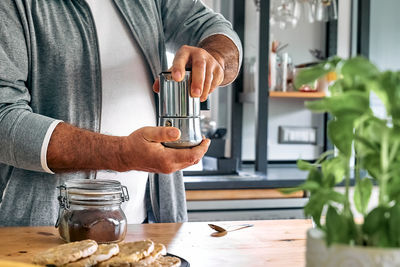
x=184 y=263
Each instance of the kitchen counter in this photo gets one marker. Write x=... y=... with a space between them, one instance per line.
x=278 y=176
x=268 y=243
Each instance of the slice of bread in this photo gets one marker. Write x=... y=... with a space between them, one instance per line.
x=129 y=253
x=103 y=253
x=168 y=261
x=159 y=250
x=66 y=253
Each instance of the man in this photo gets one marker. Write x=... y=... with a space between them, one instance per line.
x=75 y=79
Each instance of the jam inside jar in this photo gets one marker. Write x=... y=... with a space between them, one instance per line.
x=91 y=209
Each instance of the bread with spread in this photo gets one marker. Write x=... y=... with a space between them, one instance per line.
x=66 y=253
x=88 y=253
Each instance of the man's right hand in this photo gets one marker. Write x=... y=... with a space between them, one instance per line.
x=143 y=151
x=75 y=149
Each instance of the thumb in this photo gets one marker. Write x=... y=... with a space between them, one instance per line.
x=156 y=86
x=160 y=134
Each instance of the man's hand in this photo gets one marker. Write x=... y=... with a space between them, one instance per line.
x=207 y=72
x=143 y=151
x=75 y=149
x=215 y=62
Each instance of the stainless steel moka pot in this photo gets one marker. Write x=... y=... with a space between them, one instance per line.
x=178 y=109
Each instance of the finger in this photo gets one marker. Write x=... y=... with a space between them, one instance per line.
x=156 y=86
x=218 y=79
x=182 y=57
x=198 y=75
x=207 y=85
x=179 y=159
x=188 y=157
x=160 y=134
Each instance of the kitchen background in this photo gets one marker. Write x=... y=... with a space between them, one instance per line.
x=258 y=131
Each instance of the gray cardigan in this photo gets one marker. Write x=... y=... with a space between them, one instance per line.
x=50 y=69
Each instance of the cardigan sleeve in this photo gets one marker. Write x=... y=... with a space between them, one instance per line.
x=22 y=132
x=188 y=22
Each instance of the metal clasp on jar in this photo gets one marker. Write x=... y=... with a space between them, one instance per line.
x=63 y=201
x=124 y=194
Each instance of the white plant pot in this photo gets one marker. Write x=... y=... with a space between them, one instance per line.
x=318 y=254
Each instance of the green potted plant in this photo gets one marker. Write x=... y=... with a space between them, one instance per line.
x=367 y=153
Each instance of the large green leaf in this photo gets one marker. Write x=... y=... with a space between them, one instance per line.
x=337 y=87
x=315 y=176
x=359 y=67
x=314 y=207
x=306 y=186
x=374 y=220
x=349 y=104
x=394 y=225
x=394 y=183
x=333 y=171
x=373 y=129
x=368 y=137
x=376 y=227
x=318 y=106
x=310 y=75
x=318 y=200
x=364 y=146
x=388 y=90
x=305 y=165
x=340 y=132
x=372 y=164
x=362 y=194
x=337 y=228
x=394 y=146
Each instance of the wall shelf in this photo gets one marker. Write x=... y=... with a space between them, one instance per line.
x=275 y=94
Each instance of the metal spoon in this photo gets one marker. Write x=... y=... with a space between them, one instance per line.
x=222 y=231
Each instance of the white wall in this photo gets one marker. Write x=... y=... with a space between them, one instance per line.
x=385 y=34
x=301 y=39
x=344 y=28
x=291 y=112
x=384 y=42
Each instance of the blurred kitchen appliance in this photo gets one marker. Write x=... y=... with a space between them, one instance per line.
x=178 y=109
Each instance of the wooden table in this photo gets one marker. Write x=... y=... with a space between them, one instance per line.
x=268 y=243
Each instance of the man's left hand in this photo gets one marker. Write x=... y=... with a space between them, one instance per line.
x=215 y=62
x=207 y=71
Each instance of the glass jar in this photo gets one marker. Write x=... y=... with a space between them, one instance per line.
x=91 y=209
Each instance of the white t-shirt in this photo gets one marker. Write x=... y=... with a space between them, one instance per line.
x=127 y=96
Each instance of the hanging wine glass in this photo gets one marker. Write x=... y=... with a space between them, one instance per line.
x=297 y=10
x=282 y=13
x=333 y=12
x=321 y=10
x=304 y=8
x=326 y=10
x=309 y=10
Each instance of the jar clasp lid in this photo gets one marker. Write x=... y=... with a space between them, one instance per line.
x=125 y=194
x=63 y=201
